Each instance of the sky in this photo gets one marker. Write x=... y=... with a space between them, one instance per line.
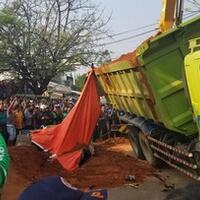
x=128 y=15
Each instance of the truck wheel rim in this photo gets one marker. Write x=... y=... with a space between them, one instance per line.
x=146 y=148
x=135 y=149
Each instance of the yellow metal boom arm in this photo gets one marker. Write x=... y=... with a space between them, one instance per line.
x=172 y=12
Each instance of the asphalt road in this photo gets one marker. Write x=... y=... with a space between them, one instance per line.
x=152 y=188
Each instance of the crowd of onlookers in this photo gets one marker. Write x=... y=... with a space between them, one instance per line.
x=22 y=114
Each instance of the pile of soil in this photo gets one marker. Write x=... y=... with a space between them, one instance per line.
x=106 y=169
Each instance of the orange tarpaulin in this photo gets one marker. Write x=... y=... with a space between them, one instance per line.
x=67 y=139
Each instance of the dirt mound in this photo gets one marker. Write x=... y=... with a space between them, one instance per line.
x=110 y=165
x=32 y=163
x=106 y=169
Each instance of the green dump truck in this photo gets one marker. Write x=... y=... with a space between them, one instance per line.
x=156 y=92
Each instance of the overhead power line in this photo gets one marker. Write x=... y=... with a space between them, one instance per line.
x=188 y=15
x=127 y=31
x=127 y=38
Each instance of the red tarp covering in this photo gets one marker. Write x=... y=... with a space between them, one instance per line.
x=67 y=139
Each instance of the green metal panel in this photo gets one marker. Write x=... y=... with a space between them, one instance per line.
x=163 y=61
x=122 y=85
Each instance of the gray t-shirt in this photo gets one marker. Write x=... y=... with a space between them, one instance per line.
x=28 y=117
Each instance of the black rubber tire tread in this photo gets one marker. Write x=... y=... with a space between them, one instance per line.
x=146 y=149
x=134 y=142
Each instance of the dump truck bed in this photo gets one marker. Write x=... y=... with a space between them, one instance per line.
x=150 y=81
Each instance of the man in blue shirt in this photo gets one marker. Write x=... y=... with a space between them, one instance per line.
x=56 y=188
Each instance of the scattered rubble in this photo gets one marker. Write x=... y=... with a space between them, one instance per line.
x=168 y=186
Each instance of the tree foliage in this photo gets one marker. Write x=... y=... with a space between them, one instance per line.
x=193 y=6
x=79 y=82
x=41 y=38
x=104 y=58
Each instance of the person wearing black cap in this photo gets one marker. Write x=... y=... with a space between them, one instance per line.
x=56 y=188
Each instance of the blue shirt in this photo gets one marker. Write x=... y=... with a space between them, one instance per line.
x=50 y=188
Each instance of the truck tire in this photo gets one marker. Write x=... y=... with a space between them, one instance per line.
x=146 y=149
x=135 y=144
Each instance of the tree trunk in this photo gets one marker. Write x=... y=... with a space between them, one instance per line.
x=38 y=90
